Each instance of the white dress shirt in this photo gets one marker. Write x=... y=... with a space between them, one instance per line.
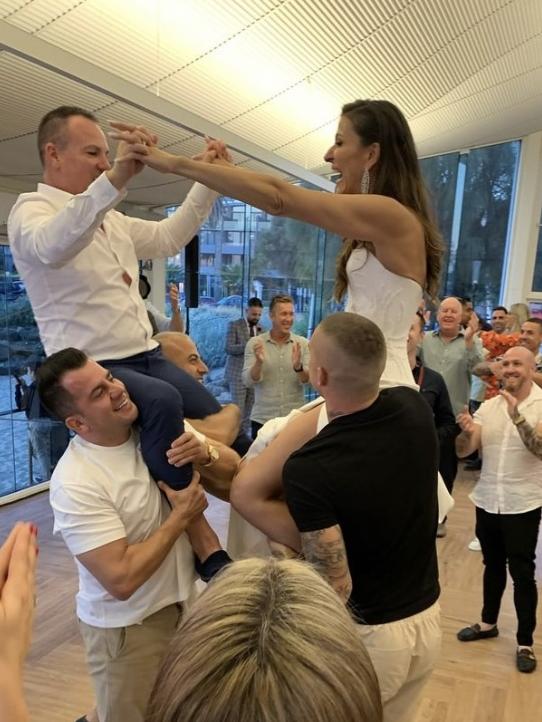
x=511 y=478
x=78 y=259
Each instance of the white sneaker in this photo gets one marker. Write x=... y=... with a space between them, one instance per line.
x=474 y=545
x=441 y=530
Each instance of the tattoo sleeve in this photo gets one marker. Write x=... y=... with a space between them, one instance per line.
x=325 y=550
x=531 y=439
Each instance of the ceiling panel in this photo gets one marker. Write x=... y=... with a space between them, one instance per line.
x=277 y=72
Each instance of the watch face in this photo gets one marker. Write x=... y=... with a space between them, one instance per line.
x=213 y=452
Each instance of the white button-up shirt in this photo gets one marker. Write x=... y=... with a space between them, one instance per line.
x=78 y=259
x=511 y=477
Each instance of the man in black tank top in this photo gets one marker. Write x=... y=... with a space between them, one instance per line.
x=363 y=494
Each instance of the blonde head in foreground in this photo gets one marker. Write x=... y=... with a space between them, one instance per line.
x=268 y=641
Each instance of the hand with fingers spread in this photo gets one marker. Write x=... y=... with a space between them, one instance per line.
x=17 y=599
x=187 y=449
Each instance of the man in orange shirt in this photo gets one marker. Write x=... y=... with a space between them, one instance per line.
x=496 y=342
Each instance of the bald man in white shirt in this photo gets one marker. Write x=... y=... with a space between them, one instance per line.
x=508 y=498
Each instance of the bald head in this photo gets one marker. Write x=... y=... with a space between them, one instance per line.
x=183 y=352
x=348 y=355
x=518 y=368
x=523 y=353
x=449 y=317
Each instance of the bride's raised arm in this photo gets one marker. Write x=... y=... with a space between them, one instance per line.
x=377 y=219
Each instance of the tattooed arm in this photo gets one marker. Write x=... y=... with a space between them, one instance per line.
x=531 y=437
x=325 y=549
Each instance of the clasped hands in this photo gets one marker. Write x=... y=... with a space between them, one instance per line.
x=138 y=146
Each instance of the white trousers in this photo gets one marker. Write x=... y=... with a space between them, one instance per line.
x=403 y=654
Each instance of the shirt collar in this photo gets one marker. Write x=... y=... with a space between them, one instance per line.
x=268 y=334
x=437 y=333
x=55 y=193
x=535 y=394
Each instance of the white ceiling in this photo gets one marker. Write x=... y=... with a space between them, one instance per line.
x=270 y=75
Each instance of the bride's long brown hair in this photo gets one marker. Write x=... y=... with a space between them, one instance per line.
x=397 y=175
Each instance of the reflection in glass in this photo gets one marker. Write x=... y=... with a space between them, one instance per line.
x=472 y=195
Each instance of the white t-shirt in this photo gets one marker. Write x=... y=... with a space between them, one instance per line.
x=100 y=494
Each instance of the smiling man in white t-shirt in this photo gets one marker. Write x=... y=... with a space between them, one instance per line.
x=133 y=556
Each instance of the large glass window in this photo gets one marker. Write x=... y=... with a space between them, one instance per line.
x=244 y=253
x=31 y=443
x=537 y=278
x=440 y=174
x=473 y=194
x=485 y=224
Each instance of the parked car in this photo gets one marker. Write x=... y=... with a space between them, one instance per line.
x=207 y=301
x=230 y=301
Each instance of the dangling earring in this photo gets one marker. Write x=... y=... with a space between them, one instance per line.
x=365 y=182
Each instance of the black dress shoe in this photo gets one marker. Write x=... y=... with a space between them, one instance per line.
x=525 y=660
x=474 y=632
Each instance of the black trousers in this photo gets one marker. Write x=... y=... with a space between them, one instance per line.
x=510 y=538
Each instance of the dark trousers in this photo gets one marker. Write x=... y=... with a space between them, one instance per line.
x=510 y=538
x=164 y=395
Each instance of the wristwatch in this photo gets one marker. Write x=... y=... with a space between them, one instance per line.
x=213 y=455
x=298 y=369
x=519 y=419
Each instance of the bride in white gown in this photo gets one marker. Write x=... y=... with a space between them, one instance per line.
x=381 y=201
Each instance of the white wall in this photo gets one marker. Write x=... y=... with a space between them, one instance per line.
x=524 y=232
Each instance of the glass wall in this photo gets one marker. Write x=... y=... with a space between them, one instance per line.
x=31 y=443
x=537 y=277
x=440 y=173
x=244 y=252
x=473 y=196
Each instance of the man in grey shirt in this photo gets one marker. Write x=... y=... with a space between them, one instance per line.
x=276 y=365
x=453 y=352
